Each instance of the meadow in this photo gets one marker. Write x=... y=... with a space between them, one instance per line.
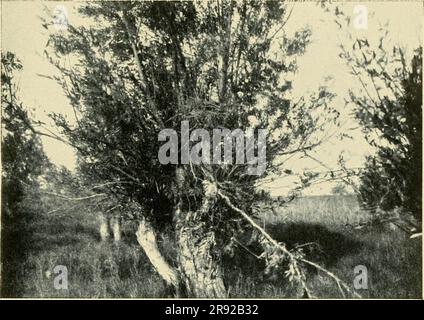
x=320 y=225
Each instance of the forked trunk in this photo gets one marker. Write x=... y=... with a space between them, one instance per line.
x=199 y=271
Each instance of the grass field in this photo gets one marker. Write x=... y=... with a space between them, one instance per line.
x=97 y=269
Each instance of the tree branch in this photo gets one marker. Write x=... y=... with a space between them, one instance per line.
x=340 y=283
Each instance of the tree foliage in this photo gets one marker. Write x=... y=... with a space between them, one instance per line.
x=23 y=161
x=146 y=66
x=23 y=158
x=151 y=65
x=389 y=108
x=393 y=177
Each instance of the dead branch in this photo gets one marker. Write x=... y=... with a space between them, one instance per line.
x=340 y=283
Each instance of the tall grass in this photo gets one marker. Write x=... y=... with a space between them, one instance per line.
x=97 y=269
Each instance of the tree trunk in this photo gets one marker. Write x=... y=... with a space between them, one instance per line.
x=199 y=261
x=146 y=237
x=199 y=258
x=103 y=228
x=115 y=225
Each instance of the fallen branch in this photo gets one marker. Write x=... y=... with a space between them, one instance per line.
x=340 y=283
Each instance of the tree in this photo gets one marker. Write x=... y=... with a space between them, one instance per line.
x=149 y=66
x=23 y=161
x=393 y=177
x=389 y=109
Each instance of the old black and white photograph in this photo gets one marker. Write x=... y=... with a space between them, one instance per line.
x=213 y=149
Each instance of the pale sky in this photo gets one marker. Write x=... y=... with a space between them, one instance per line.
x=321 y=60
x=23 y=34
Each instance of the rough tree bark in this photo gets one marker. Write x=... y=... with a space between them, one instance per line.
x=199 y=260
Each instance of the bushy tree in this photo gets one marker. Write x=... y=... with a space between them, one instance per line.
x=146 y=66
x=22 y=154
x=23 y=161
x=388 y=105
x=393 y=177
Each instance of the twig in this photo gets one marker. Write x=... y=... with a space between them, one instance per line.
x=74 y=199
x=247 y=249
